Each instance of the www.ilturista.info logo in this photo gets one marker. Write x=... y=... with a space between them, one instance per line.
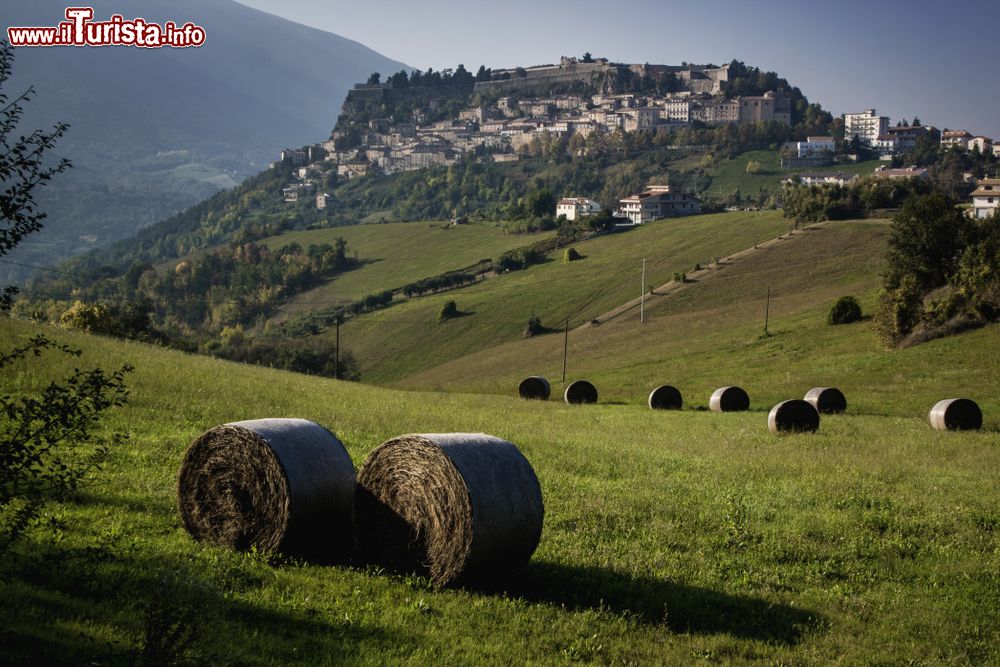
x=79 y=29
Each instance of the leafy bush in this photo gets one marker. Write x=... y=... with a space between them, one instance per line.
x=680 y=277
x=844 y=311
x=48 y=442
x=534 y=327
x=571 y=255
x=448 y=311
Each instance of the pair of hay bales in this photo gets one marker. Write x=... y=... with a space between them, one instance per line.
x=456 y=506
x=802 y=415
x=538 y=388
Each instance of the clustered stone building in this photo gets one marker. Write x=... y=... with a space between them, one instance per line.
x=501 y=129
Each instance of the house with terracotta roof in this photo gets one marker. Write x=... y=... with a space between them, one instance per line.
x=951 y=138
x=658 y=201
x=986 y=198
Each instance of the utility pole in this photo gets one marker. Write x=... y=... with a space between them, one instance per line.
x=767 y=309
x=565 y=349
x=642 y=296
x=336 y=358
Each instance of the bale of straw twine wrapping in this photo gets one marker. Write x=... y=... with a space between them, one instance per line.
x=580 y=392
x=956 y=414
x=665 y=397
x=793 y=416
x=535 y=387
x=827 y=400
x=455 y=506
x=729 y=399
x=272 y=484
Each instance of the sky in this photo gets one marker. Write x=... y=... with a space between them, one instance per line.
x=938 y=61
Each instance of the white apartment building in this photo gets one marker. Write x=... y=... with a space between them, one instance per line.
x=986 y=198
x=814 y=146
x=575 y=208
x=984 y=144
x=866 y=126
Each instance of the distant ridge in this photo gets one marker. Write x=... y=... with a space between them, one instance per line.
x=154 y=131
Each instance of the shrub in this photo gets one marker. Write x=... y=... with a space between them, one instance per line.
x=448 y=311
x=534 y=327
x=846 y=310
x=570 y=255
x=680 y=277
x=754 y=167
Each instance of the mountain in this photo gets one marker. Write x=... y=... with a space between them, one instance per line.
x=154 y=131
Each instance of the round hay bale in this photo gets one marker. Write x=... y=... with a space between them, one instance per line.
x=275 y=484
x=956 y=414
x=729 y=399
x=580 y=391
x=795 y=415
x=827 y=400
x=665 y=397
x=535 y=387
x=453 y=506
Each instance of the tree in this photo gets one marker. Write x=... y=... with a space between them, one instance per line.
x=587 y=58
x=373 y=79
x=22 y=168
x=926 y=240
x=448 y=311
x=542 y=203
x=48 y=443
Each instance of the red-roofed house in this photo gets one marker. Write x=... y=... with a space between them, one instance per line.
x=658 y=201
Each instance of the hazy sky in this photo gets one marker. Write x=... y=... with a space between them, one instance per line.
x=940 y=61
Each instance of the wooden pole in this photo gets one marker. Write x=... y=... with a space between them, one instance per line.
x=642 y=296
x=336 y=358
x=767 y=309
x=565 y=349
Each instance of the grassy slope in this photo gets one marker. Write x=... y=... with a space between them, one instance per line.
x=398 y=253
x=407 y=338
x=683 y=538
x=709 y=334
x=731 y=175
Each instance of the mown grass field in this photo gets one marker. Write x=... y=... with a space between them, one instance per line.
x=679 y=538
x=710 y=333
x=728 y=176
x=407 y=338
x=394 y=254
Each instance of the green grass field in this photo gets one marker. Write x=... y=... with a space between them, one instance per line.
x=394 y=343
x=670 y=538
x=398 y=253
x=731 y=175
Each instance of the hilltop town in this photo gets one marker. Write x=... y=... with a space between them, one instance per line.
x=418 y=120
x=508 y=117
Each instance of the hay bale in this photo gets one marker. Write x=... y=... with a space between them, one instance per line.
x=457 y=507
x=536 y=387
x=580 y=391
x=665 y=397
x=956 y=414
x=827 y=400
x=791 y=416
x=729 y=399
x=274 y=484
